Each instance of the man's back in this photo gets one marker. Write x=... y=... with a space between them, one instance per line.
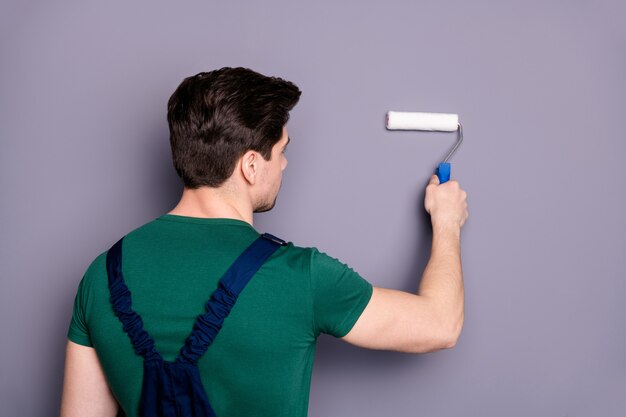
x=261 y=360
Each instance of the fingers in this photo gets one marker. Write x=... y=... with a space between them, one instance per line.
x=433 y=180
x=446 y=203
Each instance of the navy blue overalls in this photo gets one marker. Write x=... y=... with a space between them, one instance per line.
x=174 y=389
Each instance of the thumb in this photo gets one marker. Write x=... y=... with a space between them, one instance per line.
x=434 y=180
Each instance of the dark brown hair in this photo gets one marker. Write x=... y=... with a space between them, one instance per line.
x=215 y=117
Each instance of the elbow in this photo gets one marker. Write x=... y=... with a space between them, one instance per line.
x=450 y=342
x=446 y=338
x=454 y=334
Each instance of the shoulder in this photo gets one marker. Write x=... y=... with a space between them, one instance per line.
x=93 y=277
x=295 y=256
x=309 y=257
x=338 y=294
x=322 y=268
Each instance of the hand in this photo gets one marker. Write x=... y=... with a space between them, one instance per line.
x=446 y=203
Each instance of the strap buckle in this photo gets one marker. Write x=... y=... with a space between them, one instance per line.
x=275 y=239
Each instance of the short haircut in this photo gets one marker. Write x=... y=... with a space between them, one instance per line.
x=216 y=117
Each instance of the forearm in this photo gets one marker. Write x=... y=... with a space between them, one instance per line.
x=442 y=281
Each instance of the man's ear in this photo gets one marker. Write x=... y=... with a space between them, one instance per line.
x=250 y=166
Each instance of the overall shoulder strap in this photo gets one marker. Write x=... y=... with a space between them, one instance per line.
x=224 y=297
x=121 y=302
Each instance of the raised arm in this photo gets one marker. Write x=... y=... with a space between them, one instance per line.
x=432 y=319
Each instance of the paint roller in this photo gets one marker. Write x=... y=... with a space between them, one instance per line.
x=433 y=122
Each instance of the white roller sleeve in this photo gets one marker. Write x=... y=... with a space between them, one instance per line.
x=444 y=122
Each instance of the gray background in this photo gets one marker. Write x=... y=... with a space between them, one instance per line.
x=540 y=91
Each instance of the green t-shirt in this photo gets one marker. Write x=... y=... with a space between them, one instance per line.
x=260 y=363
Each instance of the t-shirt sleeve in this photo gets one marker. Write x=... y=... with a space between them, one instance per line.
x=340 y=294
x=78 y=331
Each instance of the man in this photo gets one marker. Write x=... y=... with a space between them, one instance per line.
x=228 y=135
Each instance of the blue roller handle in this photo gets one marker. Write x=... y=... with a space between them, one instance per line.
x=443 y=172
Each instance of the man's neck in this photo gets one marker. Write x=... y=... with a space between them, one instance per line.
x=208 y=202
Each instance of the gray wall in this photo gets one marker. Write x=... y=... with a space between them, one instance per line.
x=540 y=91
